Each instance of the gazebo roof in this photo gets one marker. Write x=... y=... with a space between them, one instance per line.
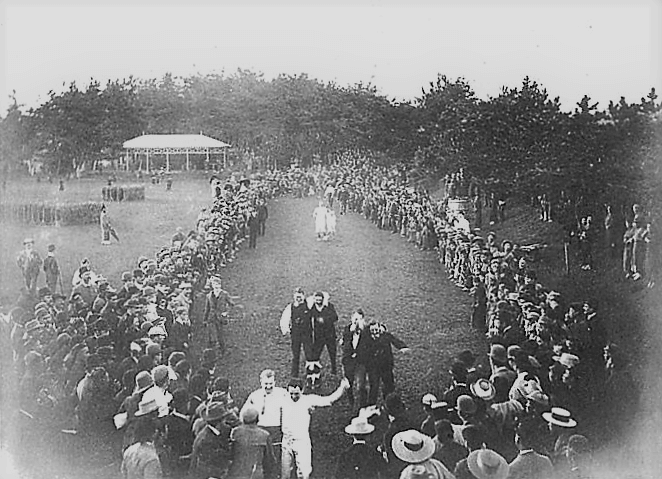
x=178 y=143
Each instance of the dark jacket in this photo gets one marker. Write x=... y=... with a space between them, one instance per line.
x=360 y=461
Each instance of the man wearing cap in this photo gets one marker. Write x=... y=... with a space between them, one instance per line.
x=297 y=447
x=359 y=461
x=252 y=451
x=52 y=269
x=416 y=450
x=295 y=321
x=211 y=449
x=29 y=262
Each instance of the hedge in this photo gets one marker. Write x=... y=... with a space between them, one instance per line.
x=123 y=193
x=51 y=213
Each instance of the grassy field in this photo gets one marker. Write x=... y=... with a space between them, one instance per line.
x=143 y=226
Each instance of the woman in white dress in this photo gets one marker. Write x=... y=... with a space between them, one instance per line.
x=319 y=214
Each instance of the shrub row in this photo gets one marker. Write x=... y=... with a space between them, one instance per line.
x=123 y=193
x=51 y=213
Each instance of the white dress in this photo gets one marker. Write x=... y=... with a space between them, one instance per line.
x=320 y=219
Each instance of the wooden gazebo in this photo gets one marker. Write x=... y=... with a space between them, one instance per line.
x=173 y=145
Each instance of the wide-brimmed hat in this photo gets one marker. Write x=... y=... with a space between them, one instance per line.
x=146 y=407
x=359 y=425
x=567 y=359
x=559 y=417
x=28 y=240
x=483 y=389
x=412 y=446
x=487 y=464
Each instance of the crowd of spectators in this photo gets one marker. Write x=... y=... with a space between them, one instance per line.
x=108 y=358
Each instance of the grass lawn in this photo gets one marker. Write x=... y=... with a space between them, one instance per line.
x=143 y=226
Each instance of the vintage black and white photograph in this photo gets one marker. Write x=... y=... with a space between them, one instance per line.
x=331 y=240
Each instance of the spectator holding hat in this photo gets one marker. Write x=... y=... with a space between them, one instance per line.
x=561 y=426
x=427 y=426
x=360 y=461
x=416 y=450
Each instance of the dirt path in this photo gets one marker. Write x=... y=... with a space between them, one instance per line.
x=362 y=267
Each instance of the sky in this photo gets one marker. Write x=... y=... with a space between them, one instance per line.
x=604 y=49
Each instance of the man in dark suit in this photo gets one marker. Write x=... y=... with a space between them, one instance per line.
x=262 y=216
x=295 y=321
x=360 y=461
x=217 y=303
x=356 y=347
x=323 y=318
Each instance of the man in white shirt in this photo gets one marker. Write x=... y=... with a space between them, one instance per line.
x=268 y=401
x=159 y=392
x=297 y=407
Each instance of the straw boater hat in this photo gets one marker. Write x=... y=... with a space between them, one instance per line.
x=487 y=464
x=146 y=407
x=429 y=399
x=483 y=389
x=412 y=446
x=359 y=425
x=567 y=359
x=559 y=417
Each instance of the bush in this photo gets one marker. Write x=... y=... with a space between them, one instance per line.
x=123 y=193
x=51 y=213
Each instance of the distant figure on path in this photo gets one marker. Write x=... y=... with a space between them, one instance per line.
x=262 y=216
x=30 y=263
x=106 y=227
x=330 y=223
x=319 y=214
x=52 y=270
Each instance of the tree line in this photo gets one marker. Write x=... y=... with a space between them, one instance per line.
x=519 y=141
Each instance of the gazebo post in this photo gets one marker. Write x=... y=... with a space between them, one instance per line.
x=225 y=158
x=188 y=164
x=167 y=161
x=207 y=163
x=147 y=153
